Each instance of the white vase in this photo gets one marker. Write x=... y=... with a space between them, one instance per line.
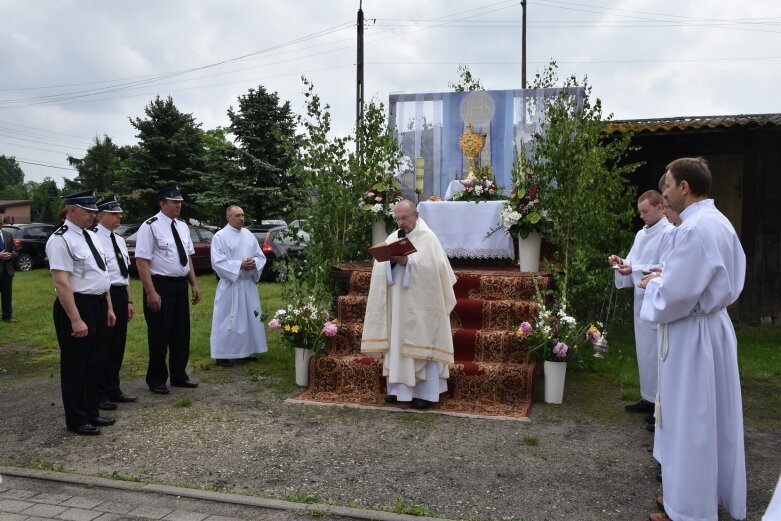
x=379 y=233
x=302 y=366
x=555 y=373
x=529 y=252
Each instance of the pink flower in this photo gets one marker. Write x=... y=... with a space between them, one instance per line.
x=525 y=328
x=560 y=350
x=330 y=329
x=378 y=199
x=491 y=191
x=274 y=323
x=469 y=188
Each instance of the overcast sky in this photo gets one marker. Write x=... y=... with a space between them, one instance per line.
x=74 y=69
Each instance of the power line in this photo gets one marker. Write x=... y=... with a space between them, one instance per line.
x=28 y=162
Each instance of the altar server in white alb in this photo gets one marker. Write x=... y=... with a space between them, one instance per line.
x=407 y=317
x=699 y=415
x=237 y=331
x=643 y=255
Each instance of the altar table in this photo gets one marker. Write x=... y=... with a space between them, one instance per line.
x=461 y=228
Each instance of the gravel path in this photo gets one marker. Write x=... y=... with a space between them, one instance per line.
x=230 y=435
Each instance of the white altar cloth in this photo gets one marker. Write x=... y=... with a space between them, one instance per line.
x=461 y=228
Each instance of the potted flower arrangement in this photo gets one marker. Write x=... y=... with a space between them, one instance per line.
x=304 y=327
x=522 y=214
x=481 y=188
x=379 y=200
x=556 y=337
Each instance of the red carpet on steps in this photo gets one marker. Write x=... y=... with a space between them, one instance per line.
x=492 y=374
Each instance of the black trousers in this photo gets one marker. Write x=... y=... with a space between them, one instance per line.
x=80 y=358
x=168 y=331
x=6 y=290
x=113 y=346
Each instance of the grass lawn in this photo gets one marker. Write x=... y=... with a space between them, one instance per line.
x=30 y=347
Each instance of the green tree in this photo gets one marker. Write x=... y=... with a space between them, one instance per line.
x=265 y=131
x=223 y=176
x=466 y=81
x=333 y=179
x=47 y=201
x=98 y=166
x=169 y=152
x=11 y=179
x=588 y=199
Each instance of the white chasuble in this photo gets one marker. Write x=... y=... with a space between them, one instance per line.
x=407 y=318
x=237 y=331
x=699 y=433
x=645 y=253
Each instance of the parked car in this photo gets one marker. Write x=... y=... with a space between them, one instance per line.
x=277 y=243
x=126 y=230
x=202 y=240
x=30 y=244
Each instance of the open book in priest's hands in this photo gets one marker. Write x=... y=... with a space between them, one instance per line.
x=383 y=252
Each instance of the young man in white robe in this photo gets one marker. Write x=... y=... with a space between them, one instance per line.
x=237 y=331
x=699 y=414
x=643 y=255
x=407 y=319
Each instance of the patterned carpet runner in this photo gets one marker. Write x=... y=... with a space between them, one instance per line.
x=492 y=374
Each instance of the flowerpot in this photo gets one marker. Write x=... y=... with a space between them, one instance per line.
x=554 y=381
x=529 y=252
x=379 y=233
x=302 y=366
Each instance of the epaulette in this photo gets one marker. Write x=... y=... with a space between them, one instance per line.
x=151 y=220
x=61 y=230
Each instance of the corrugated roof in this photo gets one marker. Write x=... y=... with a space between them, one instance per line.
x=693 y=123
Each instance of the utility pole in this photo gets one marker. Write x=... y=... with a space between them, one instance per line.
x=359 y=71
x=523 y=44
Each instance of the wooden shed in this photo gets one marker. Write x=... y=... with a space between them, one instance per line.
x=744 y=153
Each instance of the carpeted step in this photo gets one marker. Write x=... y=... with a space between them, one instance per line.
x=475 y=313
x=492 y=373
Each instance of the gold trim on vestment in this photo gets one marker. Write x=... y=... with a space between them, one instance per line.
x=367 y=340
x=427 y=348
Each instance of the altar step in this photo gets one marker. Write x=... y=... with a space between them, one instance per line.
x=492 y=374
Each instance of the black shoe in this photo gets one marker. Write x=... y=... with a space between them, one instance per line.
x=101 y=421
x=186 y=383
x=389 y=398
x=123 y=398
x=107 y=406
x=224 y=362
x=250 y=358
x=650 y=428
x=650 y=420
x=421 y=404
x=85 y=430
x=643 y=406
x=159 y=389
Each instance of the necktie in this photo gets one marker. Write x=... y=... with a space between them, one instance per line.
x=179 y=245
x=2 y=245
x=98 y=258
x=120 y=257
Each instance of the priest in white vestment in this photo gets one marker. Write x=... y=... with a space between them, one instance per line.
x=237 y=331
x=643 y=255
x=699 y=415
x=407 y=319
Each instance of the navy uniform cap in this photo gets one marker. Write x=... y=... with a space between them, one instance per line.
x=171 y=193
x=85 y=199
x=109 y=205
